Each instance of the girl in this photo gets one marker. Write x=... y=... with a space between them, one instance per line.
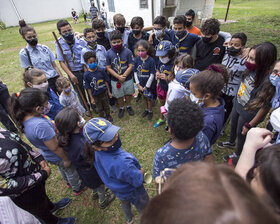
x=37 y=55
x=205 y=89
x=249 y=110
x=35 y=78
x=68 y=97
x=119 y=170
x=144 y=74
x=68 y=124
x=166 y=53
x=27 y=108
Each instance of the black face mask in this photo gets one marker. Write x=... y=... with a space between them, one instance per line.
x=121 y=29
x=33 y=42
x=189 y=23
x=69 y=37
x=100 y=35
x=233 y=51
x=206 y=39
x=136 y=32
x=180 y=34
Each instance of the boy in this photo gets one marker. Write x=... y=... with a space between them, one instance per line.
x=210 y=49
x=137 y=34
x=188 y=143
x=91 y=39
x=120 y=66
x=96 y=83
x=181 y=38
x=71 y=47
x=102 y=37
x=190 y=14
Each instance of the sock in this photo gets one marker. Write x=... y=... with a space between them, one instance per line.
x=121 y=108
x=150 y=111
x=101 y=192
x=128 y=106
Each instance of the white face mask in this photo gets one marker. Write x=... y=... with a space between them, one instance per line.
x=47 y=109
x=158 y=33
x=164 y=60
x=196 y=100
x=44 y=86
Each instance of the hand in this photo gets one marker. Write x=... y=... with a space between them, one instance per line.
x=67 y=163
x=110 y=95
x=257 y=138
x=142 y=171
x=244 y=130
x=157 y=75
x=151 y=38
x=141 y=89
x=78 y=35
x=47 y=169
x=92 y=101
x=74 y=80
x=121 y=78
x=43 y=164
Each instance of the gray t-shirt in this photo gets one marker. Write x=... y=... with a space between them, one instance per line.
x=71 y=101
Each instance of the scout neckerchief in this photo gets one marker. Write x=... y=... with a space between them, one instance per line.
x=51 y=120
x=177 y=46
x=71 y=49
x=119 y=66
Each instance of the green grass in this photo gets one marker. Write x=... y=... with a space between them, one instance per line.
x=260 y=20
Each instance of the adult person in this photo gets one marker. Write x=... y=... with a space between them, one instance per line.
x=190 y=14
x=93 y=12
x=38 y=55
x=103 y=12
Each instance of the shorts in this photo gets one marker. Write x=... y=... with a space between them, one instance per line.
x=127 y=88
x=161 y=94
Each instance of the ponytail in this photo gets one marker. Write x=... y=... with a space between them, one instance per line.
x=15 y=111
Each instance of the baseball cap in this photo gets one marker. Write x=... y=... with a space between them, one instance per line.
x=183 y=76
x=163 y=48
x=99 y=129
x=275 y=119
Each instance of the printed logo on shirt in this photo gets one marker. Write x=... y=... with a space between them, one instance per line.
x=216 y=51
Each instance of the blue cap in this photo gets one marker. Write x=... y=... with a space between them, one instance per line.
x=99 y=129
x=163 y=48
x=183 y=76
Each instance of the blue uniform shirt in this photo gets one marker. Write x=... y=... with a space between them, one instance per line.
x=72 y=53
x=96 y=81
x=41 y=58
x=54 y=102
x=144 y=69
x=119 y=61
x=100 y=54
x=166 y=69
x=170 y=157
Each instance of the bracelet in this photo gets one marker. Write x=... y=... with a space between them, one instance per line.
x=247 y=125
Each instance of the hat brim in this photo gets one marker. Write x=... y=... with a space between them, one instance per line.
x=110 y=133
x=161 y=53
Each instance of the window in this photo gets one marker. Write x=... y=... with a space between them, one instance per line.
x=143 y=4
x=111 y=6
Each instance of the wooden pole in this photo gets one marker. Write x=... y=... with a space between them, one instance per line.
x=227 y=10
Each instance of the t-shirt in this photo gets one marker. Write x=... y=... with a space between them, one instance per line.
x=120 y=61
x=96 y=81
x=71 y=101
x=39 y=130
x=209 y=53
x=166 y=69
x=104 y=42
x=132 y=41
x=235 y=66
x=100 y=54
x=169 y=157
x=93 y=12
x=144 y=69
x=195 y=30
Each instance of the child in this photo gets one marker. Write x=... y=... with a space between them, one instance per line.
x=137 y=34
x=35 y=78
x=69 y=137
x=100 y=51
x=96 y=83
x=68 y=97
x=119 y=170
x=236 y=66
x=27 y=108
x=166 y=53
x=190 y=14
x=188 y=143
x=144 y=74
x=205 y=88
x=102 y=37
x=120 y=66
x=275 y=81
x=248 y=108
x=75 y=16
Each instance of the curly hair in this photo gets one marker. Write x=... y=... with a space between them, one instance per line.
x=88 y=55
x=210 y=27
x=185 y=119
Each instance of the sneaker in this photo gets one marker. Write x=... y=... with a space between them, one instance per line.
x=138 y=97
x=107 y=201
x=130 y=111
x=68 y=220
x=231 y=156
x=150 y=115
x=60 y=205
x=121 y=113
x=145 y=113
x=223 y=145
x=109 y=118
x=95 y=195
x=81 y=190
x=158 y=123
x=130 y=222
x=232 y=162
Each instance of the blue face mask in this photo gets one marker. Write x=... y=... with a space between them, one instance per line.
x=274 y=79
x=93 y=65
x=116 y=146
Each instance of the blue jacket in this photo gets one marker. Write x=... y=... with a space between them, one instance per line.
x=120 y=172
x=213 y=121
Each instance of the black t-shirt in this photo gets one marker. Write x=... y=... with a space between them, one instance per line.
x=207 y=54
x=104 y=42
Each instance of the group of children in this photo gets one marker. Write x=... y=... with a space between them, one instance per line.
x=201 y=83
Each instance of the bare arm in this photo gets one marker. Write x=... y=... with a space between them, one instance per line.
x=68 y=72
x=90 y=95
x=108 y=89
x=56 y=68
x=112 y=72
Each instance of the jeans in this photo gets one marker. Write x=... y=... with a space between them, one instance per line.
x=80 y=77
x=139 y=199
x=70 y=175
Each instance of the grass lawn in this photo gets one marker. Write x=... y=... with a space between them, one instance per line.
x=260 y=20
